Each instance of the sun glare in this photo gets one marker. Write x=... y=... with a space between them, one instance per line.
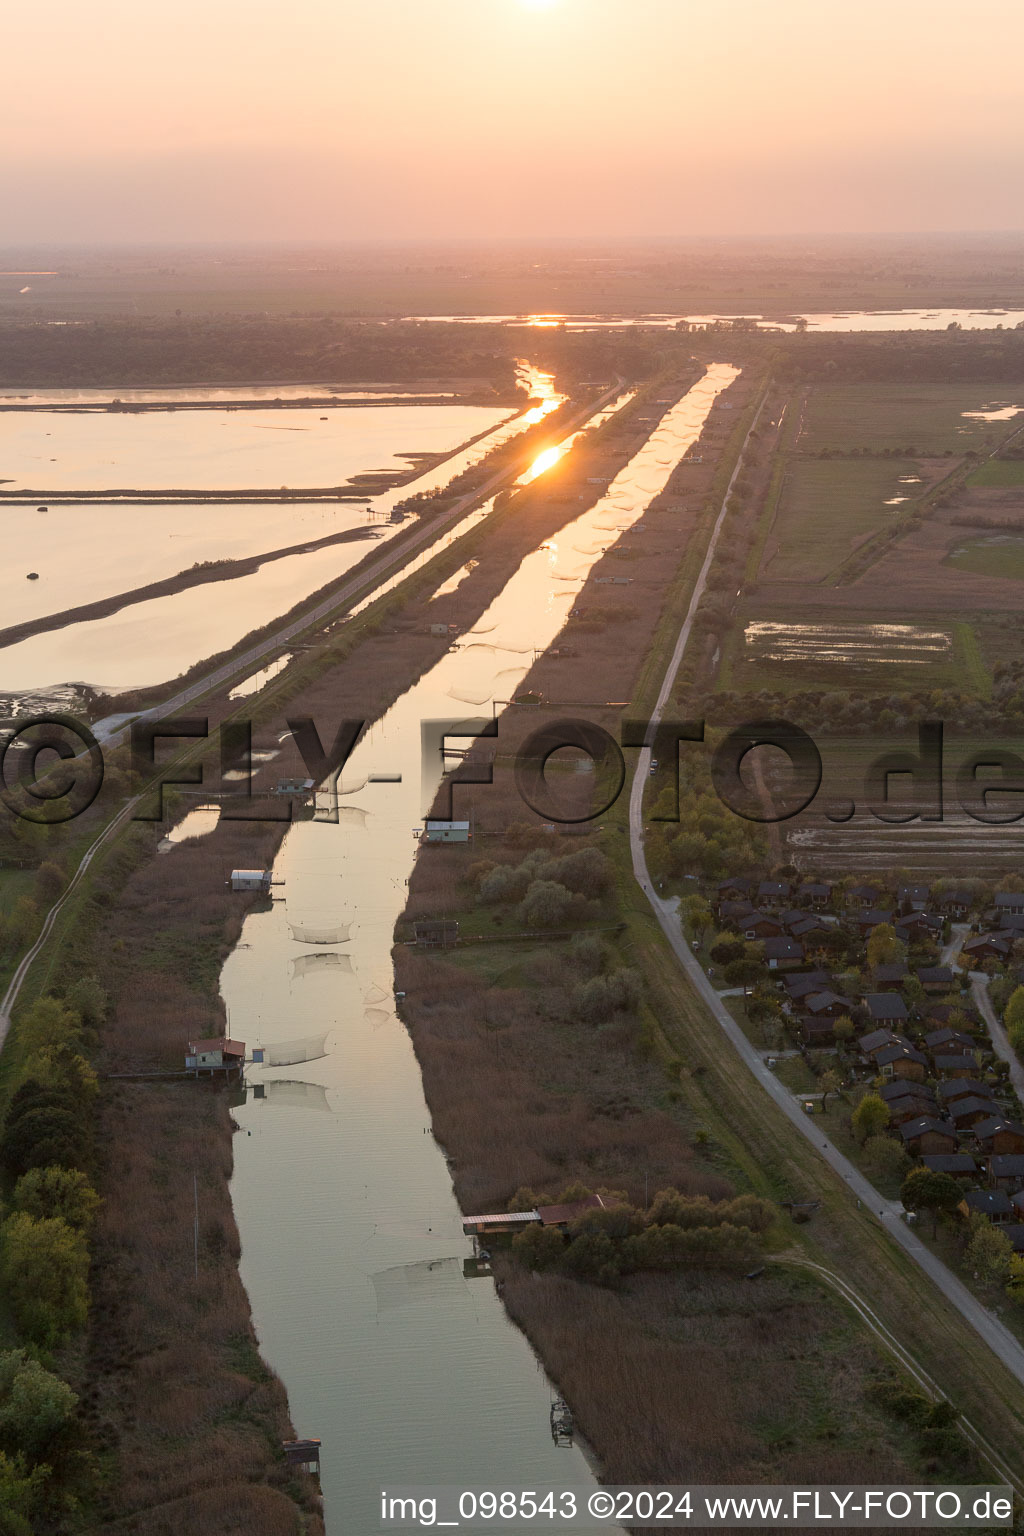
x=538 y=5
x=542 y=462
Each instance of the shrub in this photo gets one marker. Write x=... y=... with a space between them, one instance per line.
x=88 y=999
x=539 y=1247
x=502 y=884
x=44 y=1266
x=587 y=953
x=546 y=904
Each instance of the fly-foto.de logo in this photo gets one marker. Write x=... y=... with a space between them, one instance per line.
x=52 y=769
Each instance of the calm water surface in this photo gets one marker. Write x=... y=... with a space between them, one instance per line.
x=352 y=1240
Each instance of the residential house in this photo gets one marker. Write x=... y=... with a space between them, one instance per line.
x=759 y=925
x=864 y=896
x=1006 y=1171
x=987 y=946
x=928 y=1135
x=817 y=1032
x=1010 y=902
x=735 y=912
x=897 y=1090
x=1014 y=1230
x=912 y=898
x=959 y=1165
x=954 y=1066
x=993 y=1203
x=901 y=1061
x=957 y=904
x=811 y=932
x=967 y=1112
x=782 y=953
x=890 y=975
x=773 y=894
x=999 y=1135
x=805 y=982
x=940 y=1015
x=825 y=1005
x=815 y=893
x=886 y=1009
x=878 y=1040
x=871 y=917
x=949 y=1041
x=936 y=978
x=962 y=1088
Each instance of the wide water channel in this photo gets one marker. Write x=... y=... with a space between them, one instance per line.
x=352 y=1240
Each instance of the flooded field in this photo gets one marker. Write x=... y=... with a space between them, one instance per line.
x=353 y=1251
x=222 y=450
x=839 y=644
x=84 y=553
x=826 y=320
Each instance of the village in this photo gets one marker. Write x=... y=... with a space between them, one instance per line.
x=886 y=998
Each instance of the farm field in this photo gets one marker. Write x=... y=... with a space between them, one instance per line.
x=1000 y=555
x=828 y=506
x=928 y=419
x=1002 y=474
x=768 y=650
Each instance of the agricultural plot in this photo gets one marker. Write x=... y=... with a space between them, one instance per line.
x=829 y=506
x=995 y=554
x=1000 y=474
x=927 y=419
x=767 y=651
x=865 y=843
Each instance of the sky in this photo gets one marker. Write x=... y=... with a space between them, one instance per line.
x=328 y=120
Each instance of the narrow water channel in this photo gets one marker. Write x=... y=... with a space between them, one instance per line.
x=352 y=1240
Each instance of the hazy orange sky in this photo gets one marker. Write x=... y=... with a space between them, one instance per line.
x=332 y=119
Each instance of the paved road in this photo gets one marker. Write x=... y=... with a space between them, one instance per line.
x=1000 y=1040
x=989 y=1328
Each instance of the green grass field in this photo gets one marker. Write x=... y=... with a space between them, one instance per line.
x=1002 y=474
x=826 y=507
x=926 y=417
x=991 y=555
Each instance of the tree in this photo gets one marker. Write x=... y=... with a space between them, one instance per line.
x=726 y=948
x=844 y=1030
x=884 y=948
x=35 y=1405
x=41 y=1138
x=989 y=1252
x=870 y=1117
x=44 y=1266
x=1013 y=1018
x=48 y=1022
x=89 y=1001
x=62 y=1192
x=698 y=915
x=829 y=1082
x=886 y=1158
x=19 y=1494
x=545 y=905
x=923 y=1190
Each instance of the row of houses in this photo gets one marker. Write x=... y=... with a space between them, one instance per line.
x=814 y=1001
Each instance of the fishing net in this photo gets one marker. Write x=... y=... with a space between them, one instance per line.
x=313 y=965
x=282 y=1094
x=289 y=1052
x=310 y=933
x=429 y=1280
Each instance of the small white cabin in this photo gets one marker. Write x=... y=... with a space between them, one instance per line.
x=447 y=832
x=250 y=880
